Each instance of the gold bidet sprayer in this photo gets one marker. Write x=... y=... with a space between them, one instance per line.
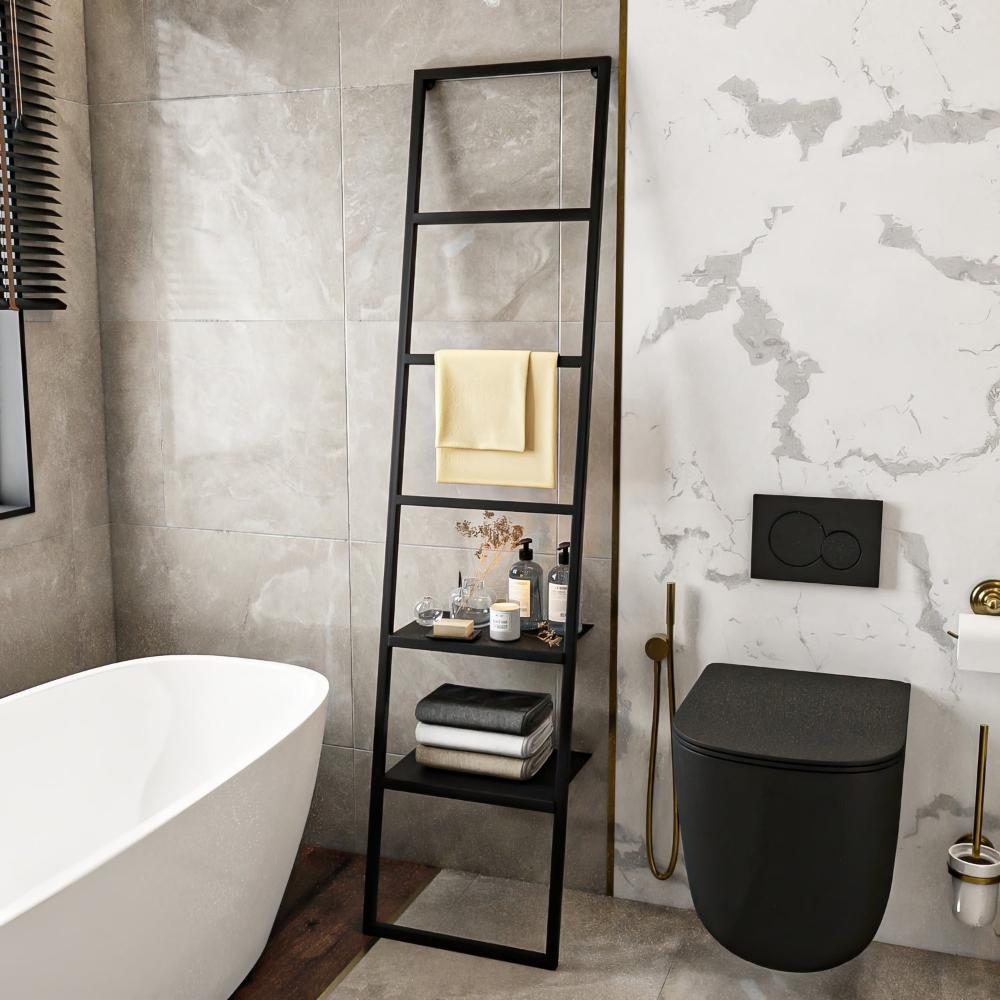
x=660 y=647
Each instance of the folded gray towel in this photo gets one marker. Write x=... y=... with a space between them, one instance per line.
x=517 y=713
x=490 y=764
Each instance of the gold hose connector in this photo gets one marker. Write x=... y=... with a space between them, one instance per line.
x=660 y=648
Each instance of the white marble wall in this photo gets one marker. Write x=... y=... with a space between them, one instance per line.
x=812 y=284
x=250 y=172
x=56 y=613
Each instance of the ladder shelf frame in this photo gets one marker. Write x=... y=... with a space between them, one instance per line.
x=550 y=795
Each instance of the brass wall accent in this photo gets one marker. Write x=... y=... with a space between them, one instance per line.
x=985 y=598
x=616 y=437
x=660 y=647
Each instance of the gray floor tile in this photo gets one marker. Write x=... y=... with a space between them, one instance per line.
x=704 y=970
x=611 y=948
x=617 y=948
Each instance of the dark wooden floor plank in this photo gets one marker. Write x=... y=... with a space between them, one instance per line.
x=318 y=930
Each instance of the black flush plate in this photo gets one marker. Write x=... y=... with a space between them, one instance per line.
x=816 y=540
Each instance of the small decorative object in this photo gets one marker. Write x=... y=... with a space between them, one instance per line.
x=505 y=621
x=973 y=862
x=426 y=612
x=550 y=638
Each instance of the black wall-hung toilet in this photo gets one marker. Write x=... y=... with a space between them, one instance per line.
x=789 y=786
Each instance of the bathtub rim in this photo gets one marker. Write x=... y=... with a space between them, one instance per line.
x=116 y=846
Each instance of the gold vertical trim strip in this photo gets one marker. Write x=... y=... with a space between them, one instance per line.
x=616 y=437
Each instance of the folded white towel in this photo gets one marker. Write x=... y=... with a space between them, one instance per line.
x=478 y=741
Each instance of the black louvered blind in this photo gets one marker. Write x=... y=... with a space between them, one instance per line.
x=32 y=266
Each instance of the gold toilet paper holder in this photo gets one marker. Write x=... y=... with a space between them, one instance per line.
x=984 y=600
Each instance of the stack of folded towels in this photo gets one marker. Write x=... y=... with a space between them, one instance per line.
x=503 y=734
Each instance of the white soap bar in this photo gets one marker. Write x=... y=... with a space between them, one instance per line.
x=454 y=628
x=979 y=643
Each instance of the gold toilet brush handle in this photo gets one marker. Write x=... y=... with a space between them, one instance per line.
x=660 y=647
x=977 y=830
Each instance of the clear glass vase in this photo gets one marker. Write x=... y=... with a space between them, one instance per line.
x=474 y=602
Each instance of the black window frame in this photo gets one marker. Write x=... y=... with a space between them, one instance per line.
x=11 y=437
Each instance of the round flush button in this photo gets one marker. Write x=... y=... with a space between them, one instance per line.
x=796 y=538
x=841 y=550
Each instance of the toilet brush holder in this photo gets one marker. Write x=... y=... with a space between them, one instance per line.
x=973 y=862
x=975 y=883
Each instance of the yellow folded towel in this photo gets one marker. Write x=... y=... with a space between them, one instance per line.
x=480 y=399
x=535 y=465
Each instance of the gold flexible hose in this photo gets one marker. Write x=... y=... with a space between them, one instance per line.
x=659 y=648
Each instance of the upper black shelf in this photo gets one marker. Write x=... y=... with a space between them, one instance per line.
x=414 y=636
x=538 y=794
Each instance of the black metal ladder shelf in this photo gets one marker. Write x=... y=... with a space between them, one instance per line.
x=548 y=791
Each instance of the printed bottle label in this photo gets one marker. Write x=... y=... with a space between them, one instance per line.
x=558 y=599
x=520 y=591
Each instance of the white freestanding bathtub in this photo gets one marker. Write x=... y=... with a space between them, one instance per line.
x=150 y=813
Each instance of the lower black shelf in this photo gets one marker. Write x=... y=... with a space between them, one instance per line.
x=538 y=794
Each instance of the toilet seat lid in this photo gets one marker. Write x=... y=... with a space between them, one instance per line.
x=795 y=717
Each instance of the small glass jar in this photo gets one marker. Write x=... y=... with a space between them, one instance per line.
x=426 y=612
x=475 y=602
x=505 y=621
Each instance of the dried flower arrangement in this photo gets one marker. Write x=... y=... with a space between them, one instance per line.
x=496 y=536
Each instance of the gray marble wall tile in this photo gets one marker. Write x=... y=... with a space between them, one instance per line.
x=268 y=597
x=123 y=160
x=254 y=426
x=160 y=49
x=332 y=821
x=39 y=640
x=94 y=604
x=578 y=109
x=202 y=47
x=199 y=202
x=590 y=28
x=116 y=52
x=70 y=68
x=600 y=479
x=466 y=273
x=383 y=41
x=134 y=422
x=371 y=359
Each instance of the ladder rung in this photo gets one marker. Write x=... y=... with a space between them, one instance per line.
x=501 y=215
x=461 y=503
x=565 y=360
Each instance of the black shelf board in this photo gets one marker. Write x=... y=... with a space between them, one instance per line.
x=536 y=795
x=468 y=503
x=506 y=216
x=414 y=636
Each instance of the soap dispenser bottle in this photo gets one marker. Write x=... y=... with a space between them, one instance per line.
x=524 y=586
x=558 y=592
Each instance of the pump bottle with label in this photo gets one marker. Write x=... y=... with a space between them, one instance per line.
x=558 y=593
x=524 y=585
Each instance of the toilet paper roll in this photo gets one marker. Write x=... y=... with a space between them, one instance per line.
x=979 y=643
